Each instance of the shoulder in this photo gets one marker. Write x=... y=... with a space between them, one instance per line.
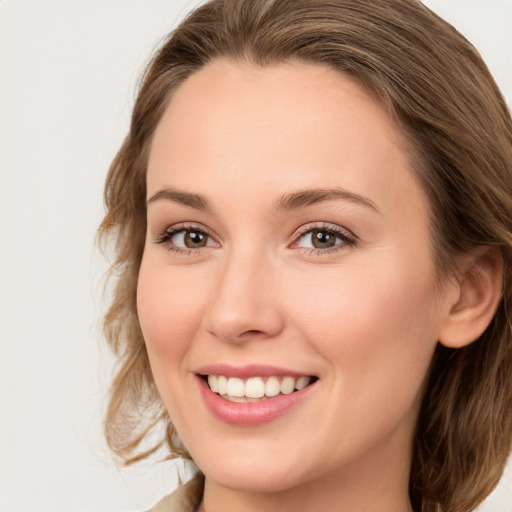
x=185 y=499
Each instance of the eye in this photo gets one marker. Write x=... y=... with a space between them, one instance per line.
x=189 y=239
x=324 y=238
x=185 y=238
x=320 y=239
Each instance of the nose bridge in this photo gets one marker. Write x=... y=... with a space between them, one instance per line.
x=244 y=302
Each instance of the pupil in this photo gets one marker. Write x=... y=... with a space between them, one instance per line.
x=193 y=239
x=322 y=240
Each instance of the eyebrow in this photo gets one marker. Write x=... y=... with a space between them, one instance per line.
x=186 y=198
x=308 y=197
x=292 y=201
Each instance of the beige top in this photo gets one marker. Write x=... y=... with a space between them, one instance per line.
x=186 y=498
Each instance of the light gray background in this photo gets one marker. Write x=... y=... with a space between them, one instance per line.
x=68 y=71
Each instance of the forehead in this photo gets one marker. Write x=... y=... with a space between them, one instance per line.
x=269 y=129
x=244 y=103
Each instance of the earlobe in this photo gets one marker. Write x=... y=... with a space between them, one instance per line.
x=479 y=294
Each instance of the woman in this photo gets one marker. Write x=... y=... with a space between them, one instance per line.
x=312 y=218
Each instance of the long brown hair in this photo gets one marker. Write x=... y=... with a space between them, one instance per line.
x=460 y=132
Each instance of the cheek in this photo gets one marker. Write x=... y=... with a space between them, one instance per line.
x=170 y=310
x=363 y=305
x=377 y=329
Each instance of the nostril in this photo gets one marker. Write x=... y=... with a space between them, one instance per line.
x=250 y=334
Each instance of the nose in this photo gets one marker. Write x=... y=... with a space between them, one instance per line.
x=244 y=305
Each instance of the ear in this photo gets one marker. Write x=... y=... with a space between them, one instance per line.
x=479 y=291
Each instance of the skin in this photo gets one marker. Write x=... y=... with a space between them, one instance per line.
x=364 y=317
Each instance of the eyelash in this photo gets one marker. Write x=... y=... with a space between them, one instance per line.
x=165 y=237
x=347 y=238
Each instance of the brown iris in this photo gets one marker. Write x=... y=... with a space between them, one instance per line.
x=322 y=239
x=195 y=239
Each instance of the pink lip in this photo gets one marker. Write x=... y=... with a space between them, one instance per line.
x=251 y=370
x=251 y=413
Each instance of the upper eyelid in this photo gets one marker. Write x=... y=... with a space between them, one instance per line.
x=189 y=226
x=327 y=226
x=162 y=236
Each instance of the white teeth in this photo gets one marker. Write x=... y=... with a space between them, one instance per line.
x=235 y=387
x=287 y=385
x=212 y=382
x=272 y=386
x=241 y=399
x=222 y=385
x=301 y=383
x=255 y=388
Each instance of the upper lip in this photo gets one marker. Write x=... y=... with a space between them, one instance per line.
x=251 y=370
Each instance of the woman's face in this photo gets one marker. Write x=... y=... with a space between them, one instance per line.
x=288 y=243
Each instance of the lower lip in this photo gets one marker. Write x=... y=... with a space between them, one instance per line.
x=252 y=413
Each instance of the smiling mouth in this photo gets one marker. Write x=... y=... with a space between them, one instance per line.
x=256 y=389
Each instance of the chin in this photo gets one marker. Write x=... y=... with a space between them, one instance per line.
x=253 y=472
x=254 y=480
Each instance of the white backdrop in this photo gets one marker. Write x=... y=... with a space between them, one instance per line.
x=67 y=79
